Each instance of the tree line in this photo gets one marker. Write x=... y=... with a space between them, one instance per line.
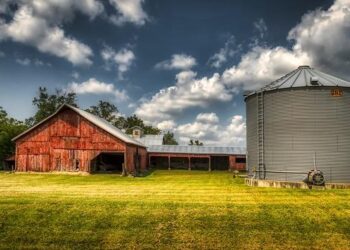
x=47 y=103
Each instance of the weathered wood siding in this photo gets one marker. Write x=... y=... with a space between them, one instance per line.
x=144 y=160
x=68 y=142
x=136 y=157
x=234 y=165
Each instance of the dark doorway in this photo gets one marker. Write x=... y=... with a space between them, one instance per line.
x=179 y=163
x=200 y=163
x=220 y=163
x=9 y=165
x=159 y=162
x=108 y=163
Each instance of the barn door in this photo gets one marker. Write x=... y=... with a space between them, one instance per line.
x=66 y=160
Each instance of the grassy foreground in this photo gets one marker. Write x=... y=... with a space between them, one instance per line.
x=167 y=210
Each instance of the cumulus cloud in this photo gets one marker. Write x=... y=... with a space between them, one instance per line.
x=166 y=125
x=321 y=39
x=324 y=35
x=39 y=24
x=228 y=51
x=211 y=132
x=123 y=59
x=207 y=118
x=93 y=86
x=177 y=61
x=263 y=65
x=128 y=11
x=187 y=92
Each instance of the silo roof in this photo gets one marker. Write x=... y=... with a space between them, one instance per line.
x=304 y=76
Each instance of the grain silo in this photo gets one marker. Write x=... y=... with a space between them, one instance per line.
x=299 y=123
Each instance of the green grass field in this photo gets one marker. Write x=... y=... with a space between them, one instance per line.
x=167 y=210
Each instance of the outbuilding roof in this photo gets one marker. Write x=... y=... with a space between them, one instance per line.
x=99 y=122
x=187 y=149
x=149 y=140
x=304 y=76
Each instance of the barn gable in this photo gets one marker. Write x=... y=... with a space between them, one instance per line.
x=70 y=121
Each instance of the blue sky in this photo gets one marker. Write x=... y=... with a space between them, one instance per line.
x=179 y=65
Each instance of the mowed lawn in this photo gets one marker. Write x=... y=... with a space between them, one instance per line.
x=167 y=210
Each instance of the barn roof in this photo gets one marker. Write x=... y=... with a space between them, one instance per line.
x=99 y=122
x=150 y=140
x=188 y=149
x=304 y=76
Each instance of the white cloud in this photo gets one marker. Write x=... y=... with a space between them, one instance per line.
x=321 y=39
x=260 y=27
x=24 y=61
x=75 y=75
x=132 y=105
x=38 y=62
x=210 y=132
x=93 y=86
x=59 y=11
x=123 y=59
x=263 y=65
x=207 y=118
x=228 y=51
x=178 y=61
x=187 y=92
x=39 y=24
x=324 y=36
x=128 y=11
x=27 y=62
x=166 y=125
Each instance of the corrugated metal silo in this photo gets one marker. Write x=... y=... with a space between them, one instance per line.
x=296 y=122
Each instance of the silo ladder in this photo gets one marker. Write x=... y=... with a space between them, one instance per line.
x=260 y=133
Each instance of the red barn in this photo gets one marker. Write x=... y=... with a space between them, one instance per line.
x=75 y=140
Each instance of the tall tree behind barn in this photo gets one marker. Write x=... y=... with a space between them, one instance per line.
x=9 y=128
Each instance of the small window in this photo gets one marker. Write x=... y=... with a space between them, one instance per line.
x=240 y=160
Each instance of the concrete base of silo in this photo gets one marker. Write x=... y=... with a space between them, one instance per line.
x=290 y=184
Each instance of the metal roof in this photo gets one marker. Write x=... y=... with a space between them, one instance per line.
x=150 y=140
x=187 y=149
x=99 y=122
x=304 y=76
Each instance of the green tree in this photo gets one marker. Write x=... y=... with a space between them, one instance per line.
x=109 y=112
x=196 y=142
x=169 y=139
x=9 y=128
x=47 y=103
x=134 y=120
x=105 y=110
x=120 y=122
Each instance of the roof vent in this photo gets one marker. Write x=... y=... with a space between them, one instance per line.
x=314 y=81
